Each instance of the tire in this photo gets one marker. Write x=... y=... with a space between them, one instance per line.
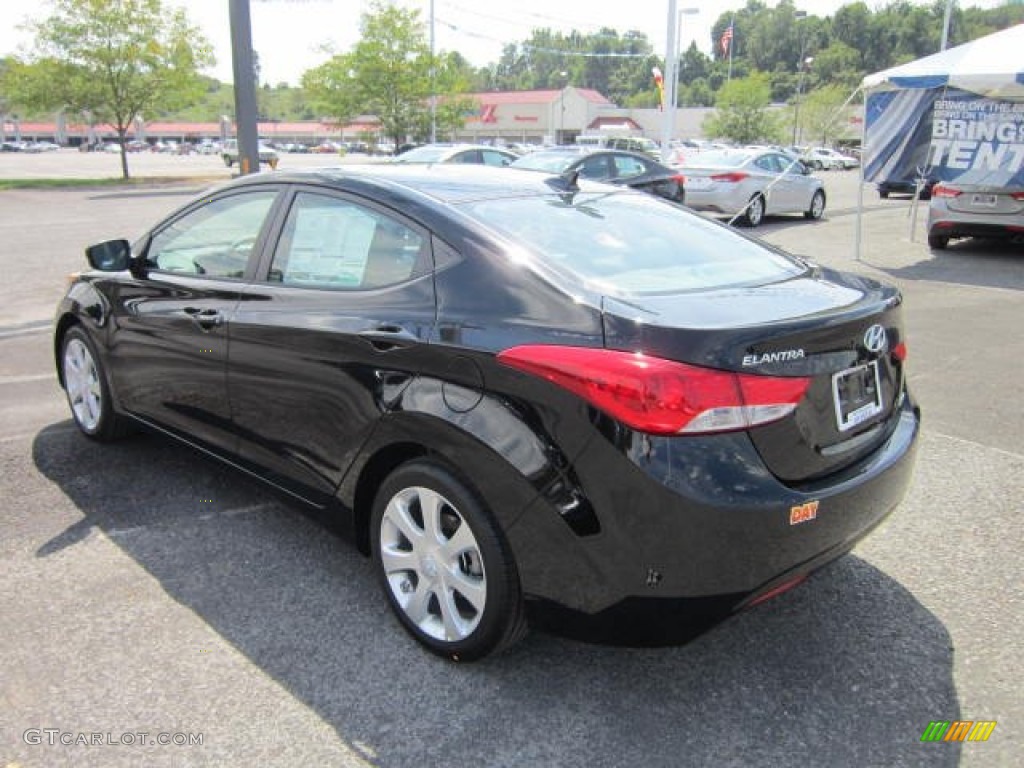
x=753 y=214
x=817 y=207
x=85 y=384
x=937 y=242
x=449 y=577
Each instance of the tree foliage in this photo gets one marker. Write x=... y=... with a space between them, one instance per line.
x=113 y=60
x=742 y=113
x=387 y=74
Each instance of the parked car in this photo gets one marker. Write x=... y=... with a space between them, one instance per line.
x=972 y=210
x=907 y=187
x=630 y=169
x=508 y=388
x=750 y=184
x=624 y=143
x=473 y=154
x=825 y=159
x=229 y=153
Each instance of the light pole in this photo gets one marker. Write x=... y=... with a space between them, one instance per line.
x=799 y=87
x=561 y=112
x=801 y=65
x=675 y=20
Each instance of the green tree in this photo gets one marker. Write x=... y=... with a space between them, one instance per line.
x=115 y=59
x=822 y=114
x=742 y=114
x=387 y=74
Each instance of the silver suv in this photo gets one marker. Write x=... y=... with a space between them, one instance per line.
x=230 y=154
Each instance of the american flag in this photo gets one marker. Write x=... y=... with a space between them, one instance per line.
x=726 y=40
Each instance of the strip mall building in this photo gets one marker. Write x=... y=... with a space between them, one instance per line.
x=535 y=117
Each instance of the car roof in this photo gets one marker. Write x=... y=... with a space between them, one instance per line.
x=450 y=184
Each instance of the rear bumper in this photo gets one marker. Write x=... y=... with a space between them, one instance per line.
x=700 y=520
x=947 y=228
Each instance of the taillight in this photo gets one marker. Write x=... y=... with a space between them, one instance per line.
x=941 y=190
x=731 y=177
x=1018 y=196
x=679 y=179
x=660 y=396
x=899 y=352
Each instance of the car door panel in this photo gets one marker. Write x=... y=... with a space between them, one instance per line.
x=321 y=348
x=170 y=335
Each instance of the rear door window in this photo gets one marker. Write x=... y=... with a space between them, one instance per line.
x=335 y=243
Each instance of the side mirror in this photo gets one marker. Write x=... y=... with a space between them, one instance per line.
x=111 y=256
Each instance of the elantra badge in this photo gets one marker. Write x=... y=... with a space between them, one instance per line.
x=875 y=339
x=803 y=513
x=784 y=356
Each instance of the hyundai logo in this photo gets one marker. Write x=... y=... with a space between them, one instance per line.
x=874 y=339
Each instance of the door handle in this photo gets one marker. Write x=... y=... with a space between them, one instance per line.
x=207 y=318
x=387 y=337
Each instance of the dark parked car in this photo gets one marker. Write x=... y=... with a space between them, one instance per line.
x=513 y=390
x=630 y=169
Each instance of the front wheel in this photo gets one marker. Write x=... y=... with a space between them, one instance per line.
x=87 y=391
x=444 y=564
x=817 y=207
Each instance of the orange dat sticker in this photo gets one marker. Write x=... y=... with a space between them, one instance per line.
x=803 y=512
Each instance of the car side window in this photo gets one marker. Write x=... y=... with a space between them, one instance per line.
x=625 y=167
x=214 y=240
x=328 y=242
x=767 y=163
x=470 y=156
x=494 y=158
x=594 y=168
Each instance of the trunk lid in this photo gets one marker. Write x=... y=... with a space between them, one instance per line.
x=842 y=331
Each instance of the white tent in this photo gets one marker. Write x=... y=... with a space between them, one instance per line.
x=991 y=66
x=957 y=115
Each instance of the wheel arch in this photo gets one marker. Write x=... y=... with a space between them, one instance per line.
x=65 y=323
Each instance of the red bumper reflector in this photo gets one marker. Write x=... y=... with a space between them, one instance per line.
x=784 y=587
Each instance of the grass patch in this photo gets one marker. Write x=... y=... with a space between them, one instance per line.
x=141 y=181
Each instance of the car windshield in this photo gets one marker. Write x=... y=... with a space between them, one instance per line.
x=555 y=162
x=623 y=243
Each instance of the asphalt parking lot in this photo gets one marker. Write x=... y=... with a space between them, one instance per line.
x=147 y=590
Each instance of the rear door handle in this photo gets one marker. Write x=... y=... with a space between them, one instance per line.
x=207 y=318
x=387 y=337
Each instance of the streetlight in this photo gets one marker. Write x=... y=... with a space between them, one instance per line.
x=561 y=103
x=804 y=66
x=801 y=66
x=675 y=22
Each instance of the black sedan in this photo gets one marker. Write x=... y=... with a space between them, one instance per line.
x=515 y=391
x=629 y=169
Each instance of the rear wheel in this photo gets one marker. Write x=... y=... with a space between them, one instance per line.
x=87 y=391
x=938 y=242
x=817 y=207
x=444 y=565
x=754 y=213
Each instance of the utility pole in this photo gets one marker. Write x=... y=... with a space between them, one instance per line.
x=671 y=82
x=245 y=87
x=945 y=24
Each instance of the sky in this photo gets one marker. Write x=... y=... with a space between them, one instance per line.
x=291 y=36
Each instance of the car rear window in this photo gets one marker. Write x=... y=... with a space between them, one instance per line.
x=555 y=162
x=719 y=158
x=631 y=243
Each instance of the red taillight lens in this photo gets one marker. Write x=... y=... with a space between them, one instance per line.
x=679 y=179
x=941 y=190
x=731 y=177
x=1018 y=196
x=899 y=352
x=660 y=396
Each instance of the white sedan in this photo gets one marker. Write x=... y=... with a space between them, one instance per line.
x=750 y=184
